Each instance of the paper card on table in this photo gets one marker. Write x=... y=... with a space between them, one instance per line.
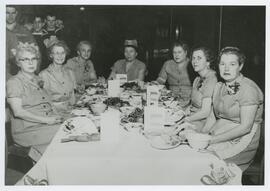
x=153 y=95
x=154 y=118
x=113 y=88
x=109 y=126
x=122 y=78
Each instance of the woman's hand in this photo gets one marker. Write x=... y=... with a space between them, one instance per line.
x=54 y=120
x=155 y=83
x=187 y=111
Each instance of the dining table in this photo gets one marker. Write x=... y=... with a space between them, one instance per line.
x=131 y=159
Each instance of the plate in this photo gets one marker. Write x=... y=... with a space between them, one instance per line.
x=133 y=127
x=80 y=112
x=173 y=116
x=79 y=125
x=160 y=142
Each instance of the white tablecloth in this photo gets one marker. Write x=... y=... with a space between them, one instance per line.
x=130 y=161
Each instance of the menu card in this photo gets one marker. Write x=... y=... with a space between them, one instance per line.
x=113 y=88
x=122 y=78
x=153 y=95
x=154 y=118
x=109 y=126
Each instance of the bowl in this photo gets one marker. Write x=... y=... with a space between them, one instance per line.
x=98 y=108
x=198 y=140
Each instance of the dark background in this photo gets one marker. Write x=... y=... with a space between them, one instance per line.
x=155 y=28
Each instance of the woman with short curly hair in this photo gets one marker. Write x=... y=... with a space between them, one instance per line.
x=58 y=80
x=34 y=121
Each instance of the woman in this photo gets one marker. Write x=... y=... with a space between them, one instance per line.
x=134 y=68
x=34 y=120
x=203 y=87
x=59 y=81
x=82 y=66
x=175 y=72
x=238 y=109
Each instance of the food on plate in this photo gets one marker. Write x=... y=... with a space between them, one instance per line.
x=116 y=101
x=170 y=139
x=133 y=117
x=130 y=86
x=164 y=141
x=95 y=85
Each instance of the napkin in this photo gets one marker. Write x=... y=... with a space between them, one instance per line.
x=28 y=180
x=81 y=138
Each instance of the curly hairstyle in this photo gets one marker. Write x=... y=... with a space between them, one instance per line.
x=208 y=53
x=235 y=51
x=181 y=44
x=26 y=47
x=58 y=44
x=82 y=43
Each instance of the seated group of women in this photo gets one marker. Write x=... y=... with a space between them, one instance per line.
x=229 y=110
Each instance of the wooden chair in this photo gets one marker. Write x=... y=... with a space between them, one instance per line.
x=255 y=172
x=16 y=154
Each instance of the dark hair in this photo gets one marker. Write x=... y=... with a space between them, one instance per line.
x=16 y=7
x=233 y=50
x=59 y=44
x=180 y=43
x=135 y=48
x=83 y=42
x=208 y=53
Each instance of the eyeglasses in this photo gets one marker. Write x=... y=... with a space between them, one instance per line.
x=27 y=60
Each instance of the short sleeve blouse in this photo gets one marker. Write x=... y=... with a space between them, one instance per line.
x=227 y=105
x=82 y=70
x=61 y=89
x=203 y=88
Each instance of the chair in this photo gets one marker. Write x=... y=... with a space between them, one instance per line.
x=17 y=155
x=255 y=172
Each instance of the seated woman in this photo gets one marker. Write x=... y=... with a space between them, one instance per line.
x=134 y=68
x=238 y=110
x=34 y=120
x=82 y=66
x=58 y=80
x=203 y=87
x=175 y=72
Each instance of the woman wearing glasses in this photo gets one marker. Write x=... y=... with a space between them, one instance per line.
x=58 y=80
x=34 y=120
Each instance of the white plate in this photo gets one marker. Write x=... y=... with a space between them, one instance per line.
x=173 y=116
x=81 y=125
x=158 y=142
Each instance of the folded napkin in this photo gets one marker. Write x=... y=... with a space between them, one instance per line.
x=222 y=173
x=28 y=180
x=85 y=137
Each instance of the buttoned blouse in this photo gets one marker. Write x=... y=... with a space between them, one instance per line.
x=228 y=105
x=34 y=98
x=202 y=88
x=81 y=70
x=175 y=75
x=60 y=88
x=119 y=67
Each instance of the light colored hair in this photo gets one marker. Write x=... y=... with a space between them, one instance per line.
x=83 y=42
x=26 y=47
x=58 y=43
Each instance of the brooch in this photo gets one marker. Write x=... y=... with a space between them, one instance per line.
x=233 y=89
x=200 y=83
x=40 y=83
